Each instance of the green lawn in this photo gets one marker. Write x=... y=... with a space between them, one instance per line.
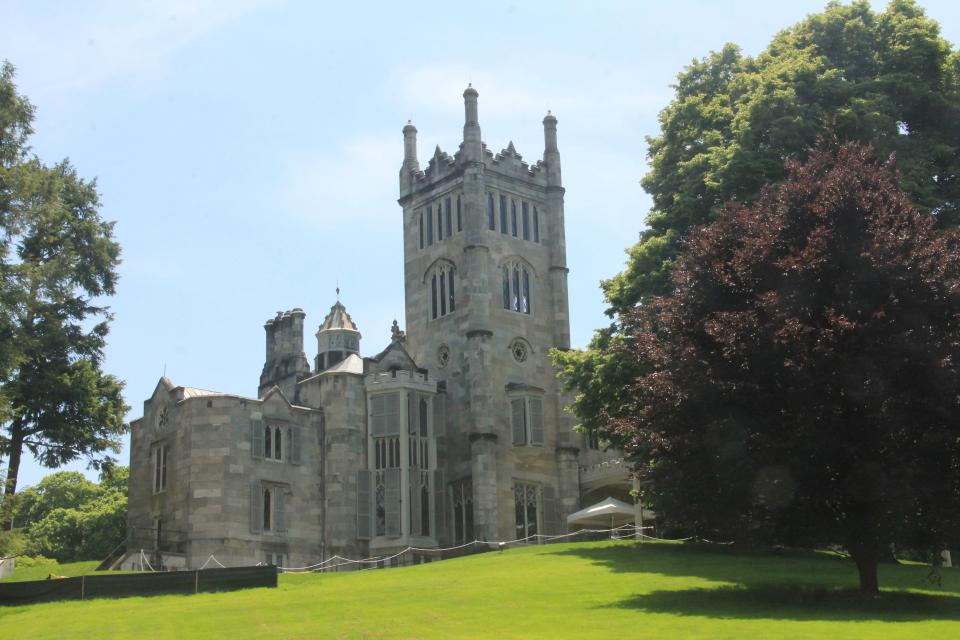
x=41 y=571
x=600 y=589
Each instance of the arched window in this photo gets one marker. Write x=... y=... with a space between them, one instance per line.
x=421 y=229
x=459 y=217
x=429 y=226
x=526 y=221
x=449 y=216
x=273 y=443
x=536 y=225
x=506 y=287
x=267 y=510
x=491 y=214
x=513 y=218
x=503 y=214
x=423 y=417
x=443 y=299
x=517 y=294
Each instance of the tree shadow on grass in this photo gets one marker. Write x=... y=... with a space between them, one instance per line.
x=776 y=584
x=795 y=603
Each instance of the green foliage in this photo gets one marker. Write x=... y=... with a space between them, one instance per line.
x=67 y=517
x=61 y=490
x=803 y=371
x=883 y=78
x=57 y=257
x=586 y=590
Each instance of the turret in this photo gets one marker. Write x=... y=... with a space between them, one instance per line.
x=411 y=166
x=472 y=146
x=337 y=338
x=551 y=155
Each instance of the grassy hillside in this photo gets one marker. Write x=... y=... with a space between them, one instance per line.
x=600 y=589
x=42 y=570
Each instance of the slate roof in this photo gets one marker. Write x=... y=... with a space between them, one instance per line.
x=338 y=318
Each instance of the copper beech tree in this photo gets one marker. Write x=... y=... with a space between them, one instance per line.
x=803 y=381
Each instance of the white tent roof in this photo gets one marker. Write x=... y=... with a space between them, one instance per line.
x=605 y=512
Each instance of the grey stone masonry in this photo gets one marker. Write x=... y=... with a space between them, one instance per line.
x=456 y=430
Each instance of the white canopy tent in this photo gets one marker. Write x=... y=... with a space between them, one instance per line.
x=608 y=513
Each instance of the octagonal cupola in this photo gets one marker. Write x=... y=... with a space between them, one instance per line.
x=337 y=338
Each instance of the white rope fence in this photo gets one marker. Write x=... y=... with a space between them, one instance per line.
x=144 y=562
x=624 y=532
x=208 y=560
x=333 y=563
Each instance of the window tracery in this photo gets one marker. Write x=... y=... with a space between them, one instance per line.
x=516 y=287
x=443 y=298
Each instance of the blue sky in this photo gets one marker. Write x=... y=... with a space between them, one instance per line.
x=248 y=150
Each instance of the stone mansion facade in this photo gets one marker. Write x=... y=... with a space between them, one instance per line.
x=455 y=431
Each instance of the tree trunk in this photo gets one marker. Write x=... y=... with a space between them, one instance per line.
x=867 y=568
x=866 y=552
x=13 y=469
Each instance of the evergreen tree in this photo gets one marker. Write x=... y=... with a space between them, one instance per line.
x=58 y=259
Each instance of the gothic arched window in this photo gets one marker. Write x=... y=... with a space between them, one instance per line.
x=443 y=299
x=448 y=213
x=517 y=294
x=491 y=213
x=429 y=226
x=503 y=214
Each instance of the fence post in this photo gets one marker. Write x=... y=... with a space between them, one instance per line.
x=83 y=584
x=196 y=581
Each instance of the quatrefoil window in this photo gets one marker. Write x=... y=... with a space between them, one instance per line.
x=519 y=351
x=443 y=356
x=163 y=418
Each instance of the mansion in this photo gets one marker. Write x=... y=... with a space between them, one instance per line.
x=454 y=431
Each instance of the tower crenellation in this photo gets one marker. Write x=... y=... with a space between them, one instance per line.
x=486 y=300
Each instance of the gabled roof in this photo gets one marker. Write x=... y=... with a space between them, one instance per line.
x=399 y=353
x=338 y=318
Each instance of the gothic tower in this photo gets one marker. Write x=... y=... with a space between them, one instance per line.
x=486 y=300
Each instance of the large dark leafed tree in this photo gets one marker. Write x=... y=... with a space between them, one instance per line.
x=804 y=370
x=881 y=78
x=57 y=259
